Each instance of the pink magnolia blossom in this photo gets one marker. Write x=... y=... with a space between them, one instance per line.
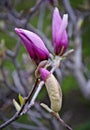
x=59 y=34
x=34 y=45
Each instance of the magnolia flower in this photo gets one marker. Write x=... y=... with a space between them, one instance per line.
x=59 y=34
x=34 y=45
x=53 y=89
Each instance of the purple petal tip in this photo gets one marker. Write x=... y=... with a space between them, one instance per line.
x=44 y=73
x=16 y=30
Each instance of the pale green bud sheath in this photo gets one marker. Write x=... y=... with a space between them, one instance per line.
x=53 y=89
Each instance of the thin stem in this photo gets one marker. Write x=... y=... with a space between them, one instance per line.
x=23 y=110
x=56 y=115
x=9 y=121
x=19 y=113
x=37 y=92
x=64 y=124
x=29 y=96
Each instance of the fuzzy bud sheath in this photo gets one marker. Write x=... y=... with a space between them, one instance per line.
x=53 y=89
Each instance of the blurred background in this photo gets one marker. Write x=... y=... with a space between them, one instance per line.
x=17 y=69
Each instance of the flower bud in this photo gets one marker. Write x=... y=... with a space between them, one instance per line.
x=59 y=34
x=53 y=89
x=34 y=45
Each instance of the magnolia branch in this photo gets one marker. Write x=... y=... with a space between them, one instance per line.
x=33 y=95
x=19 y=113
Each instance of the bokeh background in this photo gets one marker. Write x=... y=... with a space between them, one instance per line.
x=17 y=69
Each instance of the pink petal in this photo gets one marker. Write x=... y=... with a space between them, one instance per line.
x=44 y=73
x=34 y=45
x=56 y=22
x=62 y=30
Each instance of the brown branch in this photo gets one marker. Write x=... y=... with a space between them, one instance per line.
x=15 y=117
x=28 y=98
x=19 y=113
x=56 y=115
x=61 y=120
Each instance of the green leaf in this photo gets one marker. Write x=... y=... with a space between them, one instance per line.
x=21 y=99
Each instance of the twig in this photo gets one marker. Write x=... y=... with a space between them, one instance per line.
x=15 y=117
x=19 y=113
x=61 y=120
x=56 y=115
x=28 y=98
x=36 y=93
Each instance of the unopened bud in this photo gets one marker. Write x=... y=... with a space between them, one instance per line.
x=34 y=45
x=53 y=89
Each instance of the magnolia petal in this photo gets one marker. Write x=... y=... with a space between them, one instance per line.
x=62 y=30
x=38 y=43
x=56 y=22
x=33 y=44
